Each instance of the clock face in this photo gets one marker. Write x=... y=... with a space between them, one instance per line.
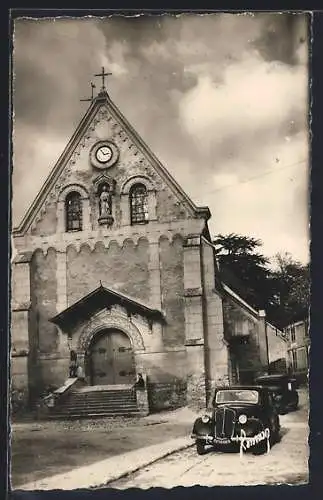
x=104 y=154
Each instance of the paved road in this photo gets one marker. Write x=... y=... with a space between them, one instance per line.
x=285 y=463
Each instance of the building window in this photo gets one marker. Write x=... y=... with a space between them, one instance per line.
x=138 y=204
x=292 y=333
x=73 y=210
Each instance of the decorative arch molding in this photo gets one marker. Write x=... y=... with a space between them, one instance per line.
x=137 y=179
x=37 y=251
x=49 y=250
x=79 y=188
x=107 y=320
x=151 y=188
x=82 y=190
x=171 y=237
x=97 y=245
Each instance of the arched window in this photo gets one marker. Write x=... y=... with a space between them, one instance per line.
x=73 y=211
x=138 y=204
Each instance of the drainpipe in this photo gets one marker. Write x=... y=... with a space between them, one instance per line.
x=263 y=339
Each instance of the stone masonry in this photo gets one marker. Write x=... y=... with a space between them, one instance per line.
x=165 y=264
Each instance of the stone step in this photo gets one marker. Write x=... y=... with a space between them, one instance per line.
x=96 y=409
x=95 y=391
x=97 y=406
x=88 y=407
x=102 y=396
x=77 y=415
x=105 y=397
x=98 y=400
x=96 y=403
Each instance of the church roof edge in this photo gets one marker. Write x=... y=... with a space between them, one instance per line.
x=101 y=99
x=104 y=297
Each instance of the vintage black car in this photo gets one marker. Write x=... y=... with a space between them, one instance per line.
x=241 y=416
x=284 y=391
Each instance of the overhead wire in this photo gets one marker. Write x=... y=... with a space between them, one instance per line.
x=250 y=179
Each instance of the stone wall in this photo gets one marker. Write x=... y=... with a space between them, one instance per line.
x=124 y=269
x=46 y=223
x=131 y=259
x=277 y=348
x=43 y=285
x=172 y=290
x=241 y=331
x=167 y=395
x=216 y=352
x=168 y=207
x=19 y=384
x=53 y=370
x=166 y=377
x=132 y=162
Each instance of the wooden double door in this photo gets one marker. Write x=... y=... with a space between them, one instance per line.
x=112 y=359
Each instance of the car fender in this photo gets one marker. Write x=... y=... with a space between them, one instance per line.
x=201 y=428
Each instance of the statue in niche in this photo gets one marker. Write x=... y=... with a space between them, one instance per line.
x=105 y=202
x=105 y=205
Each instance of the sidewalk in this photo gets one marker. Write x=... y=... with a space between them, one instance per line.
x=111 y=469
x=99 y=473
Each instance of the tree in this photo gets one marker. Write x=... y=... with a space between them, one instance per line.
x=242 y=267
x=290 y=283
x=283 y=292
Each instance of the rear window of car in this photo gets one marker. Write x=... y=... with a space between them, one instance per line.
x=237 y=396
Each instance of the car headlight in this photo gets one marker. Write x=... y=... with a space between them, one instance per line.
x=243 y=419
x=205 y=419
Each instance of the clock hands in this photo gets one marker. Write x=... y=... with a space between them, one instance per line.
x=105 y=153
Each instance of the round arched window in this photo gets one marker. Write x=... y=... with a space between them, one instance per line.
x=138 y=204
x=73 y=211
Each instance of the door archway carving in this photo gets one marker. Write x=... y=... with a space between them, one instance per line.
x=106 y=320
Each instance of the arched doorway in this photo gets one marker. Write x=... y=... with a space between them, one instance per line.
x=111 y=359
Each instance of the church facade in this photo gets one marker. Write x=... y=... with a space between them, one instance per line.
x=116 y=263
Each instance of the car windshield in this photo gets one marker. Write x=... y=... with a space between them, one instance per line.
x=234 y=396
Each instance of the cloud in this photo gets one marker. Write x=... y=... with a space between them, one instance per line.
x=218 y=98
x=256 y=100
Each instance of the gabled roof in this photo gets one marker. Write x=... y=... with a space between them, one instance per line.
x=100 y=298
x=102 y=99
x=237 y=297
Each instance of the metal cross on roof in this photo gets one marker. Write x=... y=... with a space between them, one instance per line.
x=92 y=95
x=103 y=75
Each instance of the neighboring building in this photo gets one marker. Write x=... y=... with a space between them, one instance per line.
x=297 y=335
x=114 y=261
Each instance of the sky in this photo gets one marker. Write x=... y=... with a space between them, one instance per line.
x=221 y=99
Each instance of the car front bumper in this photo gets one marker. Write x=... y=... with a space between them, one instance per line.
x=211 y=439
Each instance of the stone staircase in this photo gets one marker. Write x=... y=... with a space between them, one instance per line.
x=96 y=401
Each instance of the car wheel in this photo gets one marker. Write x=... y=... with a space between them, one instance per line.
x=260 y=448
x=275 y=435
x=200 y=447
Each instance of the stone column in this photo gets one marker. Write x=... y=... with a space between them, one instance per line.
x=61 y=292
x=154 y=275
x=193 y=290
x=196 y=387
x=194 y=325
x=263 y=340
x=20 y=314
